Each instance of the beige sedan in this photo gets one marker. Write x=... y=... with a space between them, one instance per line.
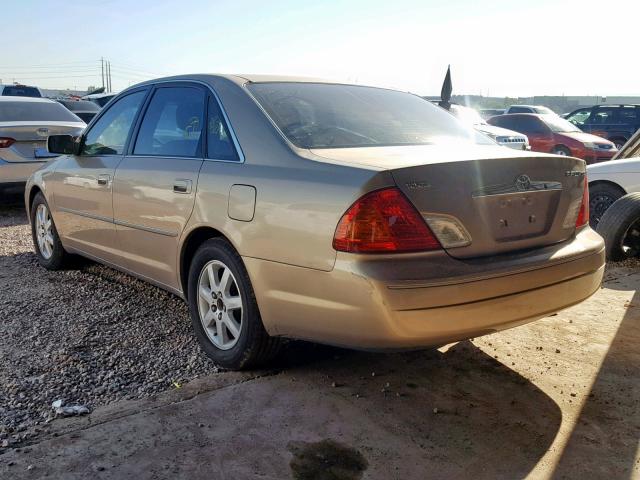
x=294 y=208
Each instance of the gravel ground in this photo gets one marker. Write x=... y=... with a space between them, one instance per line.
x=94 y=336
x=89 y=336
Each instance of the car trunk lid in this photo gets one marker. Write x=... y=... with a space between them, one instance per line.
x=31 y=139
x=505 y=200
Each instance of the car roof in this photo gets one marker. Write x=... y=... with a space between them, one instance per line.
x=10 y=98
x=242 y=79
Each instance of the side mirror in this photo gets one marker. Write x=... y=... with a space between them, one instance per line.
x=64 y=144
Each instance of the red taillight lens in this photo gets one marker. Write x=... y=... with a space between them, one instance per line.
x=381 y=222
x=6 y=142
x=583 y=215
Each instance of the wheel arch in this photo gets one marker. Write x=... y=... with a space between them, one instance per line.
x=190 y=245
x=33 y=191
x=608 y=182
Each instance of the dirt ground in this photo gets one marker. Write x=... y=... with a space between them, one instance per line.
x=558 y=398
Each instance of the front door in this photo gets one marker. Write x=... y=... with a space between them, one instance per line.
x=83 y=183
x=155 y=184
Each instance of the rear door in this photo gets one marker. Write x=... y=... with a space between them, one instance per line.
x=83 y=183
x=155 y=184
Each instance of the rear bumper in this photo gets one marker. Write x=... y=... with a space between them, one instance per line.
x=17 y=172
x=363 y=304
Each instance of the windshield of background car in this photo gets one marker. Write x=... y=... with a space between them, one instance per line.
x=559 y=124
x=467 y=115
x=321 y=115
x=35 y=112
x=544 y=110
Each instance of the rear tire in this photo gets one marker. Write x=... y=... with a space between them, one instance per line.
x=620 y=228
x=619 y=142
x=223 y=309
x=46 y=242
x=601 y=197
x=561 y=150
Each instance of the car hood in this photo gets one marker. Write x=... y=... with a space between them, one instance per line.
x=494 y=131
x=584 y=137
x=384 y=158
x=628 y=165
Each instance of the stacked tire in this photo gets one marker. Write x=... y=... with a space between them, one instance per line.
x=620 y=228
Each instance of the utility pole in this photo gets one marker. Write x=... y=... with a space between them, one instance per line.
x=108 y=78
x=110 y=88
x=102 y=70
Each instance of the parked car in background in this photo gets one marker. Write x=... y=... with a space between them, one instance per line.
x=84 y=109
x=100 y=99
x=490 y=112
x=529 y=109
x=502 y=136
x=611 y=180
x=614 y=122
x=16 y=90
x=344 y=214
x=25 y=124
x=550 y=133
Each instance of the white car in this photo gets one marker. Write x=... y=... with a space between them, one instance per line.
x=608 y=181
x=25 y=125
x=502 y=136
x=529 y=109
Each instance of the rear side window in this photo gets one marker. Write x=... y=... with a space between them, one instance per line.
x=110 y=132
x=219 y=142
x=35 y=111
x=626 y=115
x=20 y=91
x=172 y=124
x=521 y=123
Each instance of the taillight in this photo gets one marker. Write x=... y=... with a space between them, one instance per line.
x=6 y=142
x=383 y=221
x=583 y=214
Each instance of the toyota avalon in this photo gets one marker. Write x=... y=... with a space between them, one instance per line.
x=293 y=208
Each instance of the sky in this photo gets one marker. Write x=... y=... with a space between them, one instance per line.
x=494 y=47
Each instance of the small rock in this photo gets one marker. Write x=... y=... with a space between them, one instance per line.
x=435 y=410
x=30 y=467
x=557 y=350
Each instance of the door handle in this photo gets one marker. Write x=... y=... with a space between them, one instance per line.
x=182 y=186
x=104 y=179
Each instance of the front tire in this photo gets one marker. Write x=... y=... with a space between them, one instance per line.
x=561 y=150
x=223 y=309
x=49 y=250
x=620 y=228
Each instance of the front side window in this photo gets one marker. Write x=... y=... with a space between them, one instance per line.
x=578 y=118
x=323 y=115
x=172 y=124
x=109 y=134
x=219 y=142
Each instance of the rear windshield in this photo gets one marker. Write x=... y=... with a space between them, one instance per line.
x=19 y=91
x=320 y=115
x=35 y=112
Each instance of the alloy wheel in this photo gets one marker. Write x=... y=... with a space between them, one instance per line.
x=220 y=305
x=44 y=231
